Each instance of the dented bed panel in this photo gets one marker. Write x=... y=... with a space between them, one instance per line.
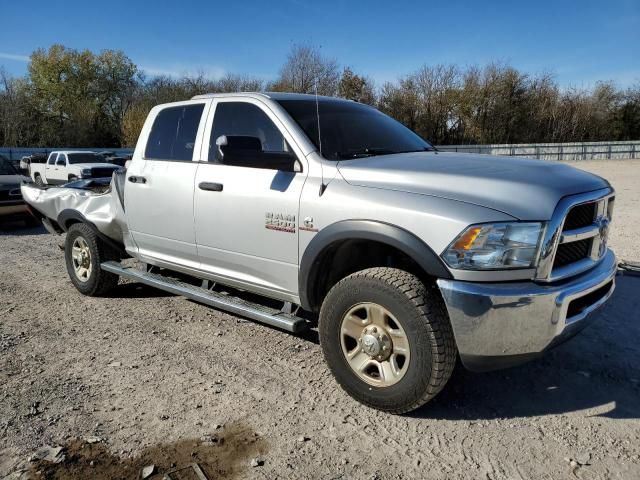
x=97 y=201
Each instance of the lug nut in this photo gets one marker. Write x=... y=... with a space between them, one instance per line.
x=374 y=330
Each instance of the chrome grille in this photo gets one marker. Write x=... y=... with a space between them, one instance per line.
x=576 y=236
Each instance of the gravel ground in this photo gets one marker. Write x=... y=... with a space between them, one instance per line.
x=144 y=378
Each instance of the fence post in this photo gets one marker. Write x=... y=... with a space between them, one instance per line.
x=609 y=152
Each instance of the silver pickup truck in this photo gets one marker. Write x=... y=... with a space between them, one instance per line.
x=300 y=211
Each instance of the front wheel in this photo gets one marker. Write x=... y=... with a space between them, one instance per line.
x=84 y=252
x=387 y=339
x=38 y=180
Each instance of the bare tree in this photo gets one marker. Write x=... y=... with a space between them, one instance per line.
x=307 y=69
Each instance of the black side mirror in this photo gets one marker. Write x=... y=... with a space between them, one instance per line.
x=246 y=151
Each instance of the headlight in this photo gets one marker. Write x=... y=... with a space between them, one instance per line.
x=85 y=172
x=495 y=246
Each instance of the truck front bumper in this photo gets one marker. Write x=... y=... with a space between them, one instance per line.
x=498 y=325
x=13 y=208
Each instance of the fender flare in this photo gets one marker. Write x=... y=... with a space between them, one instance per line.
x=381 y=232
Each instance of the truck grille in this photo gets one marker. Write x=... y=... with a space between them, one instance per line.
x=14 y=194
x=576 y=237
x=580 y=216
x=572 y=252
x=102 y=172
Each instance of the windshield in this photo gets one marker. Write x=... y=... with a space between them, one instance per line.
x=7 y=169
x=352 y=130
x=85 y=158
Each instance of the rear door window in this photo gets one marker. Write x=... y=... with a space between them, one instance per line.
x=173 y=134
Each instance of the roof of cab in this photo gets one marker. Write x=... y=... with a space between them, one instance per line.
x=272 y=95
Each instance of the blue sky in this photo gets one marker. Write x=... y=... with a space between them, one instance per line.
x=580 y=42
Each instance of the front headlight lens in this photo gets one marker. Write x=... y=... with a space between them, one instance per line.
x=495 y=246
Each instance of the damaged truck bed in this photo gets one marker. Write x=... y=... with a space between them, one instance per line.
x=98 y=202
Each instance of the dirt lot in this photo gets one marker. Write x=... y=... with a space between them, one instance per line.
x=145 y=378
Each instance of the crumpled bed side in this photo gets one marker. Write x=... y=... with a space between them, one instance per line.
x=103 y=209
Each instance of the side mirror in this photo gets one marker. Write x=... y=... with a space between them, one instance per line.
x=246 y=151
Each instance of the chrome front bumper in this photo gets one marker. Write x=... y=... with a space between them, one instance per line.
x=498 y=325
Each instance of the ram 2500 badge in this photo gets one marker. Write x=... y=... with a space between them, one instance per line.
x=405 y=257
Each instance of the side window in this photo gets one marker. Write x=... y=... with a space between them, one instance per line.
x=62 y=160
x=52 y=158
x=247 y=126
x=173 y=133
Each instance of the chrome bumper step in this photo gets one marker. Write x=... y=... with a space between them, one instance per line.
x=260 y=313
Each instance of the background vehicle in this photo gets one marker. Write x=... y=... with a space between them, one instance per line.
x=66 y=166
x=12 y=205
x=330 y=210
x=27 y=160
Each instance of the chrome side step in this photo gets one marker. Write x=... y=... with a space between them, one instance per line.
x=238 y=306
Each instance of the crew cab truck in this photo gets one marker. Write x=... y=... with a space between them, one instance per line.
x=294 y=209
x=67 y=166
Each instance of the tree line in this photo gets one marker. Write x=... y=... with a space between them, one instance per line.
x=74 y=98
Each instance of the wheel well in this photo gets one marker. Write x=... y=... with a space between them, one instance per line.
x=342 y=258
x=71 y=221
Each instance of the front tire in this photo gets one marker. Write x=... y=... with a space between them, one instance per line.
x=84 y=252
x=387 y=339
x=38 y=180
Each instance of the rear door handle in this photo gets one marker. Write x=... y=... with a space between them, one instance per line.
x=134 y=179
x=210 y=186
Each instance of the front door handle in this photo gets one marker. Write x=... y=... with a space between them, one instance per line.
x=210 y=186
x=134 y=179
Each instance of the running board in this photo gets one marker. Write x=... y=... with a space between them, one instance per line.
x=254 y=311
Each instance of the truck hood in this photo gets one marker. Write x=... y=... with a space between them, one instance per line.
x=523 y=188
x=93 y=165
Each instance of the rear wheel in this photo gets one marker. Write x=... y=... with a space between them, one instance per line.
x=84 y=252
x=387 y=339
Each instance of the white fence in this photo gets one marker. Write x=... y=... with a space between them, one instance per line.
x=544 y=151
x=556 y=151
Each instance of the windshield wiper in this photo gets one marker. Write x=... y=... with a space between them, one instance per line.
x=365 y=152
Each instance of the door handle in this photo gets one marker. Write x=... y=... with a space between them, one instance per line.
x=210 y=186
x=134 y=179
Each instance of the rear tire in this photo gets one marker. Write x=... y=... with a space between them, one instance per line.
x=407 y=358
x=84 y=252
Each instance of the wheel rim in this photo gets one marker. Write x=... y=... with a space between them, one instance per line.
x=374 y=344
x=81 y=258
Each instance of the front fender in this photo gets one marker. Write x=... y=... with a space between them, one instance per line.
x=377 y=231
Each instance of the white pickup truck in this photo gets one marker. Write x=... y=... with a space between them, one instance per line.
x=67 y=166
